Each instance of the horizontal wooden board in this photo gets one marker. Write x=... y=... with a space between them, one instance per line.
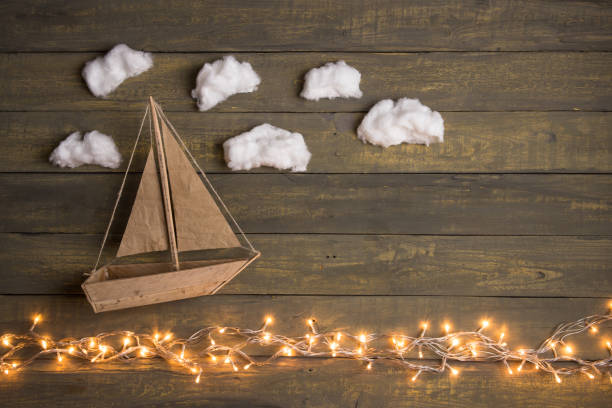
x=510 y=204
x=291 y=382
x=238 y=25
x=350 y=265
x=444 y=81
x=526 y=321
x=474 y=141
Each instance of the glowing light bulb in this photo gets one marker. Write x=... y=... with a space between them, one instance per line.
x=212 y=341
x=501 y=337
x=360 y=351
x=447 y=328
x=103 y=348
x=6 y=371
x=510 y=370
x=247 y=366
x=92 y=343
x=266 y=336
x=6 y=342
x=213 y=357
x=414 y=377
x=521 y=352
x=591 y=376
x=333 y=345
x=568 y=349
x=14 y=365
x=269 y=320
x=362 y=338
x=454 y=371
x=609 y=345
x=156 y=336
x=44 y=344
x=338 y=336
x=37 y=319
x=143 y=351
x=455 y=342
x=168 y=336
x=420 y=354
x=235 y=367
x=369 y=366
x=59 y=358
x=287 y=351
x=197 y=380
x=484 y=324
x=182 y=355
x=222 y=330
x=594 y=330
x=557 y=378
x=227 y=360
x=126 y=341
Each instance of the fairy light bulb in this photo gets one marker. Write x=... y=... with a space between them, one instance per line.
x=143 y=351
x=92 y=343
x=455 y=342
x=6 y=371
x=454 y=371
x=594 y=330
x=59 y=358
x=6 y=342
x=197 y=380
x=269 y=320
x=483 y=325
x=246 y=366
x=369 y=366
x=414 y=377
x=557 y=378
x=266 y=336
x=14 y=365
x=338 y=336
x=501 y=337
x=227 y=360
x=591 y=376
x=71 y=350
x=447 y=328
x=103 y=348
x=568 y=349
x=156 y=336
x=213 y=358
x=222 y=330
x=44 y=344
x=126 y=341
x=167 y=337
x=360 y=351
x=362 y=338
x=420 y=353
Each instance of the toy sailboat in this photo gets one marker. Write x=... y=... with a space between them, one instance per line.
x=174 y=211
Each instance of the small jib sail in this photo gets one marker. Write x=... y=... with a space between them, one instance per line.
x=174 y=211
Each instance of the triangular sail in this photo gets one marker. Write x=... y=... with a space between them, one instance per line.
x=146 y=229
x=199 y=223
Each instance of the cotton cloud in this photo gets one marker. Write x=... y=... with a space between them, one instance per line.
x=104 y=74
x=405 y=121
x=94 y=148
x=332 y=80
x=267 y=145
x=223 y=78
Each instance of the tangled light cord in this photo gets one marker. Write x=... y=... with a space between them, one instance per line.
x=228 y=345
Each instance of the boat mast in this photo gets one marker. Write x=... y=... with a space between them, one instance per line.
x=163 y=171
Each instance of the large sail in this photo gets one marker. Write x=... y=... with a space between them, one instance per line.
x=146 y=229
x=199 y=223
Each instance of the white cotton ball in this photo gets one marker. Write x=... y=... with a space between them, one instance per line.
x=223 y=78
x=104 y=74
x=333 y=80
x=405 y=121
x=94 y=148
x=267 y=145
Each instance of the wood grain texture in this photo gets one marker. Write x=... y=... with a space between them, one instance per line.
x=511 y=204
x=350 y=265
x=474 y=141
x=310 y=25
x=526 y=321
x=324 y=383
x=444 y=81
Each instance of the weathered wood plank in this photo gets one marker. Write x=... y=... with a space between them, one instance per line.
x=474 y=142
x=306 y=25
x=444 y=81
x=350 y=265
x=526 y=321
x=510 y=204
x=294 y=382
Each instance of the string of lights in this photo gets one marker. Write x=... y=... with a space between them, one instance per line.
x=230 y=346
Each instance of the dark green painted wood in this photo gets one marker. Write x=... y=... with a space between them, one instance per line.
x=354 y=204
x=526 y=321
x=474 y=141
x=296 y=382
x=243 y=25
x=444 y=81
x=350 y=265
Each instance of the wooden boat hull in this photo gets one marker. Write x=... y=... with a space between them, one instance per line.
x=115 y=287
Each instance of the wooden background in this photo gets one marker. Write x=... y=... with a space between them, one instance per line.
x=510 y=217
